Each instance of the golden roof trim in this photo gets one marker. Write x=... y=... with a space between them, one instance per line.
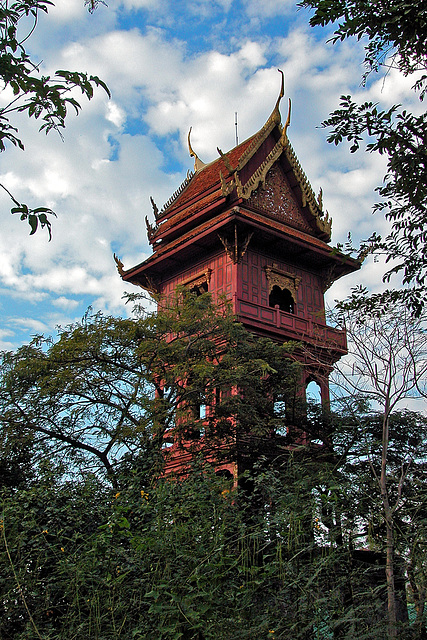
x=323 y=221
x=258 y=177
x=119 y=265
x=177 y=193
x=226 y=187
x=226 y=161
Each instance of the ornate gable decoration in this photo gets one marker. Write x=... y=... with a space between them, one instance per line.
x=258 y=177
x=323 y=221
x=246 y=172
x=277 y=200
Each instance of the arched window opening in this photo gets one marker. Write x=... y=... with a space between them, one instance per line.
x=224 y=473
x=199 y=283
x=313 y=393
x=314 y=411
x=279 y=408
x=283 y=298
x=192 y=433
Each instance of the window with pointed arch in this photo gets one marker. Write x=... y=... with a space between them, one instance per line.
x=313 y=392
x=313 y=395
x=281 y=298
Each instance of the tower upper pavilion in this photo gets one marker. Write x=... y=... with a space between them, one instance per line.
x=248 y=225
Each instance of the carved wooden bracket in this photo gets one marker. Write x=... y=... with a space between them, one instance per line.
x=282 y=279
x=235 y=249
x=328 y=278
x=149 y=285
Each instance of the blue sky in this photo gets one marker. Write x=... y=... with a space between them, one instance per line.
x=169 y=65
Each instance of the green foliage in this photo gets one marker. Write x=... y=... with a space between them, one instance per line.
x=394 y=29
x=44 y=98
x=97 y=542
x=173 y=560
x=110 y=388
x=400 y=136
x=394 y=34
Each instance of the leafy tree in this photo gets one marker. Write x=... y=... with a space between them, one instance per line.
x=117 y=549
x=194 y=558
x=172 y=560
x=110 y=388
x=44 y=98
x=394 y=34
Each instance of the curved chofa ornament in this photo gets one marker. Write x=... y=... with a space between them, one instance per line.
x=259 y=175
x=276 y=111
x=198 y=164
x=284 y=136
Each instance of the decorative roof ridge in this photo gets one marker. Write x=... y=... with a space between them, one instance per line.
x=260 y=174
x=245 y=191
x=274 y=119
x=195 y=174
x=323 y=221
x=212 y=196
x=178 y=192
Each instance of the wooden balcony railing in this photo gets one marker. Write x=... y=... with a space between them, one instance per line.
x=290 y=325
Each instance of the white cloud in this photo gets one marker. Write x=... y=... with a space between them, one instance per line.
x=252 y=54
x=115 y=114
x=140 y=4
x=29 y=324
x=201 y=8
x=67 y=10
x=100 y=178
x=65 y=303
x=7 y=345
x=268 y=8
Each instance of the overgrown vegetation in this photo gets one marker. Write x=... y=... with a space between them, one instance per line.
x=118 y=550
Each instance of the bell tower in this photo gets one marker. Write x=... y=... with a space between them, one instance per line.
x=249 y=226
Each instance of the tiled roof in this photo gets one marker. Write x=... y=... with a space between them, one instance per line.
x=208 y=177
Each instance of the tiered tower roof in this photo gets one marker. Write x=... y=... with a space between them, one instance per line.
x=260 y=183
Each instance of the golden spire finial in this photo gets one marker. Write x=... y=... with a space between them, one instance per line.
x=276 y=111
x=198 y=164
